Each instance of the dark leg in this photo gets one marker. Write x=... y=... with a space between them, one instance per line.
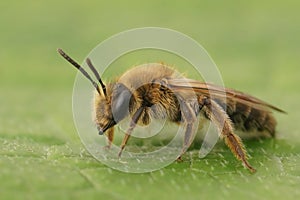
x=133 y=122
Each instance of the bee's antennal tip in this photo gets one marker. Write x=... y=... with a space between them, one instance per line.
x=88 y=61
x=59 y=50
x=76 y=65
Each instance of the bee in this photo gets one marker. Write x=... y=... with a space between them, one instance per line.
x=156 y=91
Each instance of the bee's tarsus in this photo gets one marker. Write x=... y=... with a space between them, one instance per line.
x=249 y=167
x=120 y=152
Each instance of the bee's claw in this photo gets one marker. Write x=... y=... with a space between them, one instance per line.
x=249 y=167
x=179 y=159
x=107 y=147
x=120 y=153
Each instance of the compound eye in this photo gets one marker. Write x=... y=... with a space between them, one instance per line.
x=120 y=102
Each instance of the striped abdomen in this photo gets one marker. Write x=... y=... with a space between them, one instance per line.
x=247 y=118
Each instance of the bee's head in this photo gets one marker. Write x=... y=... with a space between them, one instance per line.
x=102 y=111
x=112 y=104
x=112 y=107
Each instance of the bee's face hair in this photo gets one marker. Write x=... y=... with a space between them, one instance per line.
x=88 y=61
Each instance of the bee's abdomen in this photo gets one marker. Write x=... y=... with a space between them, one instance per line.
x=247 y=118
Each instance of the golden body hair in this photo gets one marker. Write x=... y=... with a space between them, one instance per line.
x=157 y=87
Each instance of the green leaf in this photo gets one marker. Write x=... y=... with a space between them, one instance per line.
x=256 y=47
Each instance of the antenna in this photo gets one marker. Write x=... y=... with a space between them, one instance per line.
x=75 y=64
x=91 y=66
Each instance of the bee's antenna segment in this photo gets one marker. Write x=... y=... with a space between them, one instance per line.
x=91 y=66
x=75 y=64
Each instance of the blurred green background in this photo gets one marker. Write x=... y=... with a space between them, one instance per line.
x=255 y=45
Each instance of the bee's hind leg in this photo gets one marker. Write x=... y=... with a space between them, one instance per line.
x=219 y=117
x=132 y=125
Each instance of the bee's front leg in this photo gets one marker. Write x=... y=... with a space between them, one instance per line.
x=132 y=125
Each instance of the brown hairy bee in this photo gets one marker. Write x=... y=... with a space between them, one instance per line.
x=148 y=91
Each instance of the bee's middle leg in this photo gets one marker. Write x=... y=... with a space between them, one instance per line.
x=189 y=113
x=189 y=122
x=188 y=138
